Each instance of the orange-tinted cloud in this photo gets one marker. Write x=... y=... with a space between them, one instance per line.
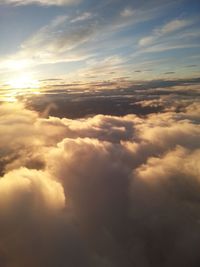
x=111 y=191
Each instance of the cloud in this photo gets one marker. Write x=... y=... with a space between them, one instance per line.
x=172 y=26
x=84 y=16
x=166 y=194
x=42 y=2
x=35 y=187
x=146 y=41
x=167 y=29
x=112 y=191
x=168 y=46
x=138 y=71
x=169 y=72
x=191 y=66
x=57 y=40
x=127 y=12
x=78 y=36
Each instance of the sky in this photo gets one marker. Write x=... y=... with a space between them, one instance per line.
x=99 y=133
x=87 y=41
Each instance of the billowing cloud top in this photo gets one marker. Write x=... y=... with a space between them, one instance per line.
x=97 y=178
x=102 y=190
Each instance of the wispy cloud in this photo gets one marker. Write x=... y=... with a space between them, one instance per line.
x=56 y=42
x=108 y=29
x=169 y=46
x=82 y=17
x=166 y=29
x=41 y=2
x=127 y=12
x=64 y=39
x=173 y=26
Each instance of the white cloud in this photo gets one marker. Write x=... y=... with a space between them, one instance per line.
x=64 y=39
x=82 y=17
x=100 y=176
x=167 y=29
x=55 y=43
x=173 y=26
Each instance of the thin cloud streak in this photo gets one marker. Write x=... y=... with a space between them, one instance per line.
x=42 y=2
x=169 y=28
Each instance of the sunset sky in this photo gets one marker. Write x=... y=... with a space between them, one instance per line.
x=99 y=133
x=89 y=40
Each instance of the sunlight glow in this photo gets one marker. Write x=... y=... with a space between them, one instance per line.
x=23 y=84
x=10 y=99
x=23 y=81
x=17 y=64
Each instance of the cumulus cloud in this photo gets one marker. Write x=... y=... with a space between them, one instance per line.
x=31 y=186
x=111 y=191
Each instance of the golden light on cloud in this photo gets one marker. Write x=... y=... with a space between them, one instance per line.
x=23 y=84
x=10 y=99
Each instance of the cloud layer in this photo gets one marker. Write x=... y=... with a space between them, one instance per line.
x=42 y=2
x=99 y=191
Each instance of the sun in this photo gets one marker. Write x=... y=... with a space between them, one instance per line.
x=23 y=81
x=23 y=84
